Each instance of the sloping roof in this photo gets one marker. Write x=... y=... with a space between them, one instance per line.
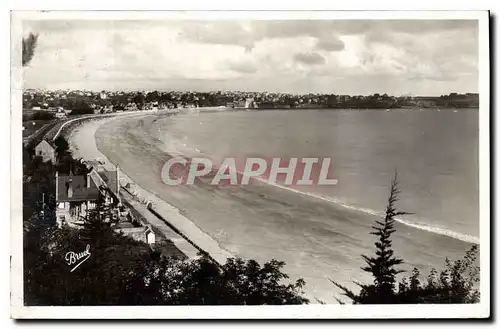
x=44 y=141
x=79 y=186
x=105 y=178
x=110 y=178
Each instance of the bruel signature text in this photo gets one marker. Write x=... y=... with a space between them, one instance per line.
x=77 y=259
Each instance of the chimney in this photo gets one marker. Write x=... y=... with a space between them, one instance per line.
x=57 y=185
x=69 y=186
x=88 y=180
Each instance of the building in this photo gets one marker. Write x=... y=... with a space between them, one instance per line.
x=107 y=109
x=77 y=195
x=250 y=103
x=138 y=233
x=46 y=150
x=106 y=179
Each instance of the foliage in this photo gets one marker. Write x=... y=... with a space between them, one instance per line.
x=62 y=146
x=455 y=284
x=139 y=98
x=101 y=280
x=65 y=162
x=237 y=282
x=29 y=45
x=79 y=107
x=42 y=115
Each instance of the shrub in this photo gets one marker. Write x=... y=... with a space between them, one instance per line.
x=456 y=283
x=82 y=110
x=43 y=115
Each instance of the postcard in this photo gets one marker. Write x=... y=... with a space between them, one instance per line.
x=250 y=165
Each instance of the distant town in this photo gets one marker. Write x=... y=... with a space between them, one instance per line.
x=67 y=102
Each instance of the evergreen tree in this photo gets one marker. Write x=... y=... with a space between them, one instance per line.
x=62 y=146
x=383 y=264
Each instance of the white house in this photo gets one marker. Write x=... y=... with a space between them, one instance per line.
x=46 y=150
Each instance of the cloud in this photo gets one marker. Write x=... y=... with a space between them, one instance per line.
x=294 y=56
x=248 y=33
x=436 y=55
x=242 y=66
x=309 y=58
x=333 y=44
x=216 y=32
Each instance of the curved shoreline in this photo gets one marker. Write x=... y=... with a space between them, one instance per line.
x=79 y=140
x=420 y=225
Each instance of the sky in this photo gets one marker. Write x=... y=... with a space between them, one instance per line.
x=354 y=57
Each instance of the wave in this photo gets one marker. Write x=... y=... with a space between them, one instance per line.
x=177 y=147
x=425 y=227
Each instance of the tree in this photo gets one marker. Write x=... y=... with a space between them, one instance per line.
x=29 y=45
x=237 y=282
x=62 y=146
x=456 y=283
x=80 y=107
x=43 y=115
x=152 y=96
x=139 y=99
x=382 y=266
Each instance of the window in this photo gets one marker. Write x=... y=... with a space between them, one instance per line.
x=61 y=205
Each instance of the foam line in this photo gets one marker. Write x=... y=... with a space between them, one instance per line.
x=425 y=227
